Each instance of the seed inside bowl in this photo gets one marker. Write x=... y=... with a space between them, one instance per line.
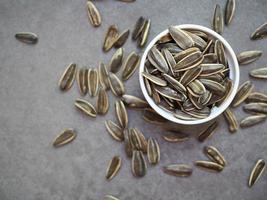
x=188 y=73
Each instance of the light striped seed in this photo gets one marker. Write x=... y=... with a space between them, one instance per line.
x=144 y=35
x=211 y=166
x=65 y=137
x=229 y=11
x=157 y=60
x=110 y=37
x=103 y=76
x=260 y=32
x=182 y=39
x=256 y=108
x=139 y=167
x=116 y=85
x=207 y=133
x=102 y=103
x=257 y=97
x=247 y=57
x=134 y=102
x=140 y=23
x=67 y=79
x=231 y=120
x=218 y=19
x=130 y=65
x=121 y=113
x=93 y=82
x=256 y=172
x=113 y=168
x=93 y=14
x=116 y=61
x=180 y=170
x=259 y=73
x=243 y=92
x=154 y=79
x=85 y=107
x=252 y=120
x=153 y=151
x=114 y=130
x=175 y=137
x=82 y=79
x=214 y=155
x=121 y=39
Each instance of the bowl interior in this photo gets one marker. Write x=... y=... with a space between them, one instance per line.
x=233 y=75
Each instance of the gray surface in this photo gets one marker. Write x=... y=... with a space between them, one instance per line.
x=33 y=110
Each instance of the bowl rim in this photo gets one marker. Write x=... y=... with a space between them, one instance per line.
x=219 y=110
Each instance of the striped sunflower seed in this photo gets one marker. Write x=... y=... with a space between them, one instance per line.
x=196 y=88
x=67 y=78
x=242 y=93
x=116 y=85
x=114 y=130
x=130 y=65
x=214 y=155
x=121 y=113
x=93 y=82
x=154 y=79
x=257 y=97
x=198 y=41
x=144 y=35
x=256 y=108
x=231 y=120
x=121 y=39
x=127 y=144
x=134 y=102
x=252 y=120
x=182 y=54
x=259 y=73
x=85 y=107
x=27 y=37
x=102 y=103
x=93 y=14
x=65 y=137
x=213 y=86
x=212 y=166
x=103 y=76
x=220 y=52
x=113 y=168
x=181 y=38
x=81 y=78
x=189 y=62
x=180 y=170
x=175 y=137
x=207 y=133
x=153 y=151
x=116 y=60
x=110 y=37
x=256 y=172
x=176 y=84
x=157 y=60
x=170 y=93
x=140 y=23
x=247 y=57
x=190 y=75
x=110 y=197
x=210 y=69
x=151 y=116
x=218 y=19
x=229 y=11
x=138 y=164
x=260 y=32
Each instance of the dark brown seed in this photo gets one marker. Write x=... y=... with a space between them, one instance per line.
x=260 y=32
x=229 y=11
x=121 y=113
x=65 y=137
x=231 y=120
x=116 y=85
x=138 y=164
x=243 y=92
x=247 y=57
x=113 y=168
x=138 y=28
x=134 y=102
x=130 y=65
x=256 y=172
x=121 y=39
x=214 y=155
x=207 y=133
x=153 y=151
x=114 y=130
x=67 y=79
x=252 y=120
x=27 y=37
x=218 y=19
x=144 y=35
x=110 y=37
x=180 y=170
x=116 y=60
x=212 y=166
x=93 y=14
x=102 y=103
x=85 y=107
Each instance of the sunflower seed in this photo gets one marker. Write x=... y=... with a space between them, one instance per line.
x=27 y=37
x=259 y=73
x=65 y=137
x=116 y=60
x=169 y=58
x=198 y=41
x=81 y=78
x=212 y=166
x=154 y=79
x=165 y=39
x=103 y=76
x=183 y=116
x=114 y=130
x=213 y=86
x=170 y=93
x=144 y=35
x=189 y=61
x=214 y=155
x=85 y=107
x=176 y=84
x=190 y=75
x=116 y=85
x=158 y=60
x=218 y=19
x=220 y=52
x=121 y=39
x=130 y=65
x=134 y=102
x=256 y=172
x=113 y=168
x=256 y=108
x=179 y=56
x=196 y=88
x=175 y=137
x=110 y=37
x=138 y=164
x=121 y=113
x=181 y=38
x=210 y=69
x=127 y=144
x=148 y=87
x=151 y=116
x=138 y=28
x=110 y=197
x=207 y=133
x=229 y=11
x=66 y=80
x=142 y=139
x=209 y=58
x=153 y=151
x=252 y=120
x=180 y=170
x=102 y=103
x=93 y=14
x=155 y=95
x=135 y=139
x=242 y=93
x=231 y=120
x=257 y=97
x=93 y=82
x=260 y=32
x=247 y=57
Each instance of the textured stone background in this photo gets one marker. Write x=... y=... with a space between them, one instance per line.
x=34 y=111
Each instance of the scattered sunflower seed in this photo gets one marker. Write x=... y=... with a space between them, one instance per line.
x=27 y=37
x=260 y=32
x=113 y=167
x=103 y=76
x=102 y=103
x=218 y=19
x=93 y=82
x=121 y=39
x=65 y=137
x=67 y=79
x=121 y=113
x=243 y=92
x=207 y=132
x=144 y=35
x=257 y=97
x=114 y=130
x=247 y=57
x=140 y=23
x=259 y=73
x=212 y=166
x=138 y=164
x=116 y=61
x=175 y=137
x=153 y=151
x=130 y=65
x=82 y=77
x=229 y=11
x=85 y=107
x=93 y=14
x=180 y=170
x=116 y=85
x=252 y=120
x=110 y=37
x=231 y=120
x=214 y=155
x=256 y=108
x=256 y=172
x=134 y=102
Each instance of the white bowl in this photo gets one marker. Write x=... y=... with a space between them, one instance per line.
x=233 y=75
